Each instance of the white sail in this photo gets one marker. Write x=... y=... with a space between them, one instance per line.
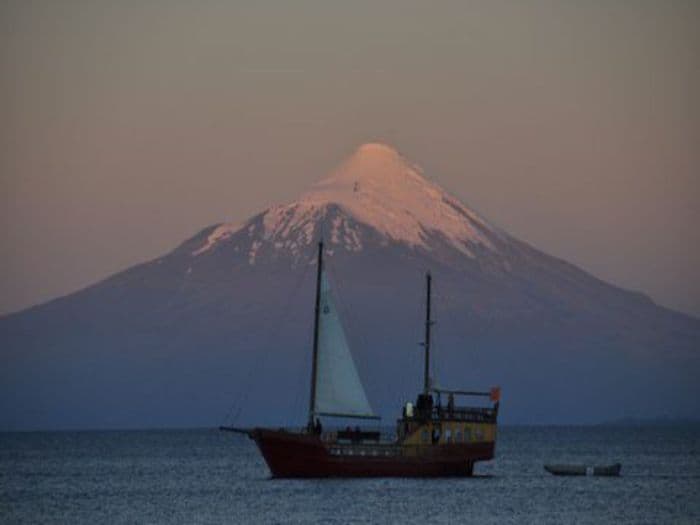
x=339 y=390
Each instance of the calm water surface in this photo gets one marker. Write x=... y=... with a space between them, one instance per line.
x=204 y=476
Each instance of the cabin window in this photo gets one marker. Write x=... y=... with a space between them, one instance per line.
x=458 y=436
x=424 y=435
x=448 y=435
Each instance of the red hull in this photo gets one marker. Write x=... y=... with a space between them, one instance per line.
x=292 y=455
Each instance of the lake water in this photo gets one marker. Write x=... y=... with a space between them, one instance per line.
x=205 y=476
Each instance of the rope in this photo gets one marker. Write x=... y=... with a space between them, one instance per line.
x=351 y=320
x=295 y=414
x=450 y=305
x=261 y=357
x=347 y=314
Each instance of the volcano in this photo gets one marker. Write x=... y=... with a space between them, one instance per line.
x=220 y=327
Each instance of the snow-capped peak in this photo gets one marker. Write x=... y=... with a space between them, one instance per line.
x=378 y=187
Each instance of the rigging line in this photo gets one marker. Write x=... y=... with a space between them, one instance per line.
x=169 y=358
x=296 y=413
x=354 y=328
x=245 y=386
x=346 y=312
x=412 y=382
x=166 y=358
x=458 y=324
x=261 y=357
x=353 y=323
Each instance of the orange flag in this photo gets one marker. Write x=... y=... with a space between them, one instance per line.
x=496 y=393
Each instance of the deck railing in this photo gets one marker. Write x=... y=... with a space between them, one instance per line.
x=466 y=414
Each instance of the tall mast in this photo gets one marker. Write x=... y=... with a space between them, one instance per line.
x=314 y=358
x=428 y=322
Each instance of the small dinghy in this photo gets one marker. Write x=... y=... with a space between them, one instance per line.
x=584 y=470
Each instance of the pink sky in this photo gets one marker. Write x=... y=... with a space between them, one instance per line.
x=127 y=127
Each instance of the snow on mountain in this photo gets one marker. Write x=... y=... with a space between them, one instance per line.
x=378 y=187
x=220 y=233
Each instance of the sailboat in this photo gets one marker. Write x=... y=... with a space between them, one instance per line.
x=431 y=439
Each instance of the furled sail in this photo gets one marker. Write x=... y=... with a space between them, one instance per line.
x=339 y=390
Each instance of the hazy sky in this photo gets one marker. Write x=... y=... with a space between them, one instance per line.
x=128 y=126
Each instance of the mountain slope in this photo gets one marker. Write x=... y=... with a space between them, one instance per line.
x=226 y=318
